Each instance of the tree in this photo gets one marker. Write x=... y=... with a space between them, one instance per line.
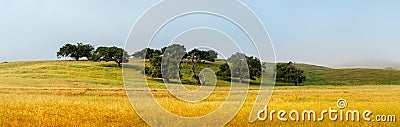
x=194 y=54
x=155 y=67
x=211 y=55
x=171 y=59
x=242 y=67
x=199 y=55
x=147 y=53
x=239 y=68
x=75 y=51
x=254 y=67
x=289 y=73
x=166 y=62
x=118 y=55
x=224 y=71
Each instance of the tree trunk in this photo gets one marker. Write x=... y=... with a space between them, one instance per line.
x=197 y=79
x=295 y=83
x=193 y=70
x=76 y=58
x=240 y=79
x=119 y=64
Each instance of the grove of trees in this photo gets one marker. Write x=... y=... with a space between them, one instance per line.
x=171 y=60
x=118 y=55
x=75 y=51
x=165 y=63
x=289 y=73
x=242 y=67
x=147 y=53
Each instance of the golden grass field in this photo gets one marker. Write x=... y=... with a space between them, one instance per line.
x=83 y=93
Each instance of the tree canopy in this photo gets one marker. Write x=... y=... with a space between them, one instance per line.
x=75 y=51
x=171 y=59
x=241 y=66
x=155 y=67
x=118 y=55
x=199 y=55
x=289 y=73
x=146 y=53
x=165 y=63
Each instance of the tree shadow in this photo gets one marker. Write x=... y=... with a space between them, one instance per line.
x=130 y=66
x=286 y=84
x=109 y=65
x=174 y=82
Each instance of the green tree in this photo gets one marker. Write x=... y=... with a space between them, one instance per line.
x=289 y=73
x=146 y=53
x=224 y=71
x=239 y=68
x=118 y=55
x=197 y=55
x=155 y=67
x=254 y=67
x=171 y=60
x=211 y=55
x=242 y=67
x=194 y=55
x=202 y=55
x=75 y=51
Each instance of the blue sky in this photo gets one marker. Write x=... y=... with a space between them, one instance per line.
x=336 y=33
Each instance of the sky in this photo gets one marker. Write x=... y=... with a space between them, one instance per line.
x=334 y=33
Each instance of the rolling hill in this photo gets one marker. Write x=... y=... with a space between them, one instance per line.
x=318 y=75
x=87 y=74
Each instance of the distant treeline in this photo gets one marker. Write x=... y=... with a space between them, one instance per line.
x=165 y=62
x=118 y=55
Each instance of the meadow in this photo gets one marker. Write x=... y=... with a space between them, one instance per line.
x=84 y=93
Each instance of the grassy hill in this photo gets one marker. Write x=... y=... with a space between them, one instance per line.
x=318 y=75
x=60 y=74
x=86 y=74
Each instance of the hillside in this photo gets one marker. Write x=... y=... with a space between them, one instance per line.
x=60 y=74
x=86 y=74
x=318 y=75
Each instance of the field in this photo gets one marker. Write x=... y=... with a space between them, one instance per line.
x=83 y=93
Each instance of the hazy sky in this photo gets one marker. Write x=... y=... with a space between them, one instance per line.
x=338 y=33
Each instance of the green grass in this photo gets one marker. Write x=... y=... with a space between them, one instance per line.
x=59 y=74
x=86 y=74
x=318 y=75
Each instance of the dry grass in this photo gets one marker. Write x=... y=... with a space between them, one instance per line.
x=38 y=107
